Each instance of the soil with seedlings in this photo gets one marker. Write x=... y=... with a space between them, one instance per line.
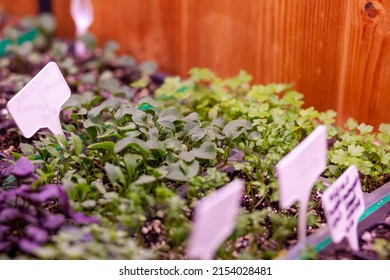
x=374 y=244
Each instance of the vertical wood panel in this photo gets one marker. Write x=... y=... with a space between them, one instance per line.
x=276 y=41
x=65 y=24
x=148 y=29
x=20 y=7
x=366 y=91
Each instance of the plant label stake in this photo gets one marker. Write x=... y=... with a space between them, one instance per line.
x=214 y=220
x=82 y=14
x=299 y=170
x=343 y=205
x=38 y=104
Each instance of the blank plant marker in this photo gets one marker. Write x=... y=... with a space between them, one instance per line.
x=38 y=104
x=299 y=170
x=214 y=220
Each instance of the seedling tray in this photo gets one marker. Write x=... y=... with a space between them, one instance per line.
x=375 y=215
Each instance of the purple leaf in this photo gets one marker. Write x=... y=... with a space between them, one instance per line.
x=45 y=193
x=31 y=219
x=3 y=231
x=6 y=171
x=21 y=191
x=36 y=234
x=64 y=201
x=53 y=221
x=87 y=238
x=28 y=246
x=80 y=218
x=9 y=214
x=4 y=246
x=23 y=168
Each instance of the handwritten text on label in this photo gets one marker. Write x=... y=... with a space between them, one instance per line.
x=343 y=205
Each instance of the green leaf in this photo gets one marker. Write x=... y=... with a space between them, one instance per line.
x=351 y=124
x=94 y=122
x=198 y=134
x=106 y=145
x=140 y=118
x=364 y=129
x=167 y=121
x=235 y=128
x=53 y=151
x=335 y=170
x=157 y=147
x=355 y=151
x=386 y=159
x=61 y=140
x=339 y=157
x=114 y=173
x=123 y=111
x=78 y=145
x=146 y=101
x=175 y=173
x=365 y=167
x=130 y=161
x=187 y=156
x=206 y=151
x=181 y=171
x=27 y=149
x=172 y=144
x=134 y=143
x=145 y=179
x=385 y=128
x=193 y=169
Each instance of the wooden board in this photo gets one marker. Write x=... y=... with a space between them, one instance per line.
x=365 y=91
x=19 y=7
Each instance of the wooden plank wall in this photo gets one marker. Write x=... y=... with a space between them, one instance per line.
x=19 y=7
x=336 y=51
x=364 y=90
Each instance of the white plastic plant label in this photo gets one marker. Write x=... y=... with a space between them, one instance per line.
x=38 y=104
x=343 y=204
x=299 y=170
x=214 y=220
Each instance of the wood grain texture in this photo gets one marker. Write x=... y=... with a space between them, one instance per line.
x=20 y=7
x=65 y=24
x=276 y=41
x=148 y=29
x=365 y=92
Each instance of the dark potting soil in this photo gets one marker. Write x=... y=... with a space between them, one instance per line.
x=374 y=239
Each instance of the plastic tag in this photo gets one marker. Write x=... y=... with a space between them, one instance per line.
x=214 y=220
x=343 y=204
x=299 y=170
x=38 y=104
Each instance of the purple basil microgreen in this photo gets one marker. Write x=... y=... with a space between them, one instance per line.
x=6 y=171
x=4 y=246
x=80 y=218
x=28 y=246
x=23 y=168
x=46 y=193
x=36 y=234
x=27 y=218
x=53 y=221
x=10 y=214
x=87 y=238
